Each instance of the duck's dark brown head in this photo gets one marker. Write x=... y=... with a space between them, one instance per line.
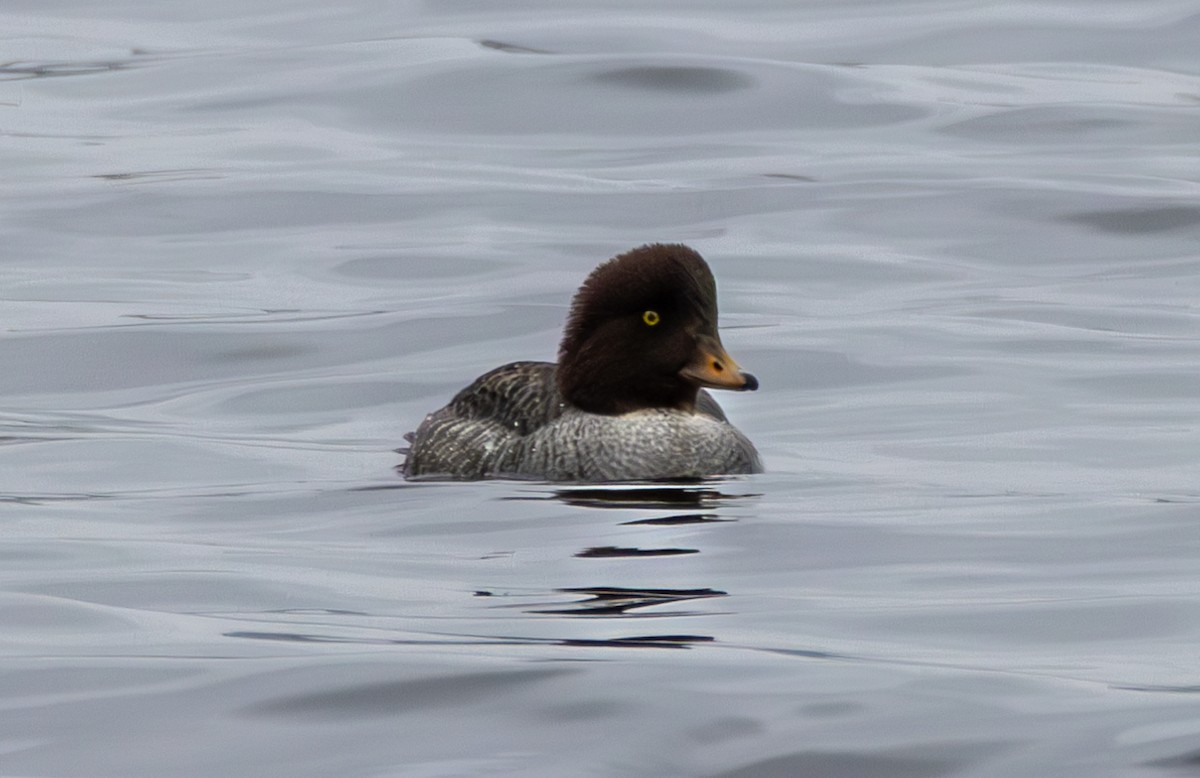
x=642 y=333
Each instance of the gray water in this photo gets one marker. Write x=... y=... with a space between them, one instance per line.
x=248 y=245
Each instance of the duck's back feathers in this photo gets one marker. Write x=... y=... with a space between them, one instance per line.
x=462 y=439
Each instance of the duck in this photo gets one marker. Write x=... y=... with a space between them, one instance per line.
x=626 y=400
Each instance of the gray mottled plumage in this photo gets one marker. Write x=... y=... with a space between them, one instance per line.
x=513 y=422
x=623 y=403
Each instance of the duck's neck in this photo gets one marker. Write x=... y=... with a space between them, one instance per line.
x=603 y=393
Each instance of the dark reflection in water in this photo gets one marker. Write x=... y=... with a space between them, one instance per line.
x=316 y=612
x=1189 y=689
x=12 y=71
x=617 y=551
x=790 y=177
x=683 y=518
x=645 y=641
x=618 y=601
x=646 y=497
x=859 y=765
x=42 y=499
x=805 y=653
x=1139 y=220
x=704 y=80
x=702 y=501
x=631 y=641
x=165 y=174
x=1187 y=763
x=409 y=695
x=510 y=48
x=591 y=602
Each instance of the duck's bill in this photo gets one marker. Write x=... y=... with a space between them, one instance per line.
x=714 y=368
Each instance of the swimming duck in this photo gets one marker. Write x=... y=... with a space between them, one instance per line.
x=625 y=402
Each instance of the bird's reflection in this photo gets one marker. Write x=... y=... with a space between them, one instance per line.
x=607 y=552
x=619 y=601
x=695 y=495
x=686 y=503
x=644 y=641
x=681 y=518
x=631 y=641
x=622 y=544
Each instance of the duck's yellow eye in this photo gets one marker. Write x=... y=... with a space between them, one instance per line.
x=651 y=318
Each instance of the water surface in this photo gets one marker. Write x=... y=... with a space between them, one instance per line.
x=249 y=245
